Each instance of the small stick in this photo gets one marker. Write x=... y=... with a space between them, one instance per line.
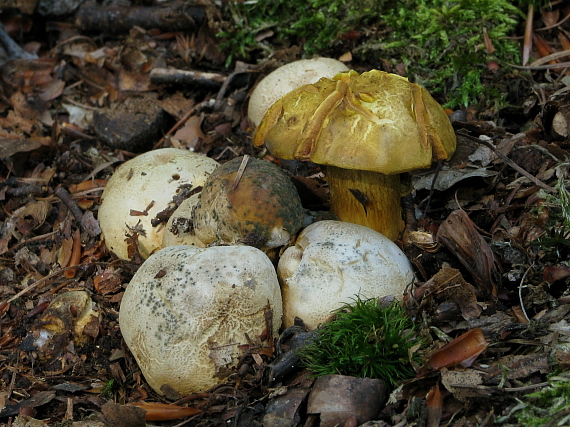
x=527 y=45
x=520 y=292
x=43 y=280
x=175 y=127
x=512 y=164
x=12 y=48
x=65 y=197
x=240 y=171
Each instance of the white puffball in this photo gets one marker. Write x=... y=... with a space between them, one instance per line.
x=331 y=263
x=187 y=310
x=142 y=187
x=286 y=78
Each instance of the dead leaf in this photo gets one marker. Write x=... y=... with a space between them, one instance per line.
x=434 y=405
x=463 y=351
x=190 y=135
x=123 y=415
x=550 y=17
x=11 y=146
x=448 y=177
x=52 y=90
x=459 y=235
x=448 y=285
x=517 y=367
x=65 y=251
x=75 y=257
x=38 y=399
x=31 y=216
x=164 y=411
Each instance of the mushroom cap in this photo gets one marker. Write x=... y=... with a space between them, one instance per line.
x=179 y=228
x=373 y=121
x=331 y=263
x=150 y=179
x=286 y=78
x=261 y=207
x=187 y=310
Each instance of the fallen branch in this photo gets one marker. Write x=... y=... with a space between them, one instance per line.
x=117 y=19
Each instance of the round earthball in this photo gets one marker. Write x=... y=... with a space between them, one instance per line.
x=188 y=312
x=248 y=201
x=141 y=188
x=333 y=262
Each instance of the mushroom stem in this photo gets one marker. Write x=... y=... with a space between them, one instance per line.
x=367 y=198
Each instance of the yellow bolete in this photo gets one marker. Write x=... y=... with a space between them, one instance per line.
x=286 y=78
x=366 y=129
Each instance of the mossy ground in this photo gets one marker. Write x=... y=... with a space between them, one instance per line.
x=446 y=46
x=548 y=406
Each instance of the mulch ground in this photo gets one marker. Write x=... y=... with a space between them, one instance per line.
x=486 y=232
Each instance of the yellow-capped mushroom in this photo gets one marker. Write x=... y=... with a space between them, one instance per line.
x=365 y=129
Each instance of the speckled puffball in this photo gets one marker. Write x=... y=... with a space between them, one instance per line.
x=331 y=263
x=142 y=187
x=286 y=78
x=187 y=310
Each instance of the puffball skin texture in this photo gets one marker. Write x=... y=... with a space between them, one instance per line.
x=150 y=179
x=286 y=78
x=187 y=309
x=331 y=263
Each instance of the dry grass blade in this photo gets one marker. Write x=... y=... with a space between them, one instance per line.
x=527 y=46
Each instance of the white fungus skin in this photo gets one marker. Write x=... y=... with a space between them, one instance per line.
x=331 y=263
x=187 y=309
x=177 y=231
x=150 y=179
x=286 y=78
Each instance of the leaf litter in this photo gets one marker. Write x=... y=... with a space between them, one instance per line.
x=491 y=265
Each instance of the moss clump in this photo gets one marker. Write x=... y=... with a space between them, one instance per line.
x=365 y=339
x=441 y=42
x=315 y=24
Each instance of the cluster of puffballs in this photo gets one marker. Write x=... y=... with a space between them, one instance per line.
x=213 y=272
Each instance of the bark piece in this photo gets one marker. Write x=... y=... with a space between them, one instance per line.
x=283 y=411
x=459 y=235
x=338 y=397
x=133 y=125
x=463 y=351
x=123 y=415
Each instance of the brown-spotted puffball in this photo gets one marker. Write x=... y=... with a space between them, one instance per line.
x=331 y=263
x=187 y=311
x=248 y=201
x=286 y=78
x=142 y=187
